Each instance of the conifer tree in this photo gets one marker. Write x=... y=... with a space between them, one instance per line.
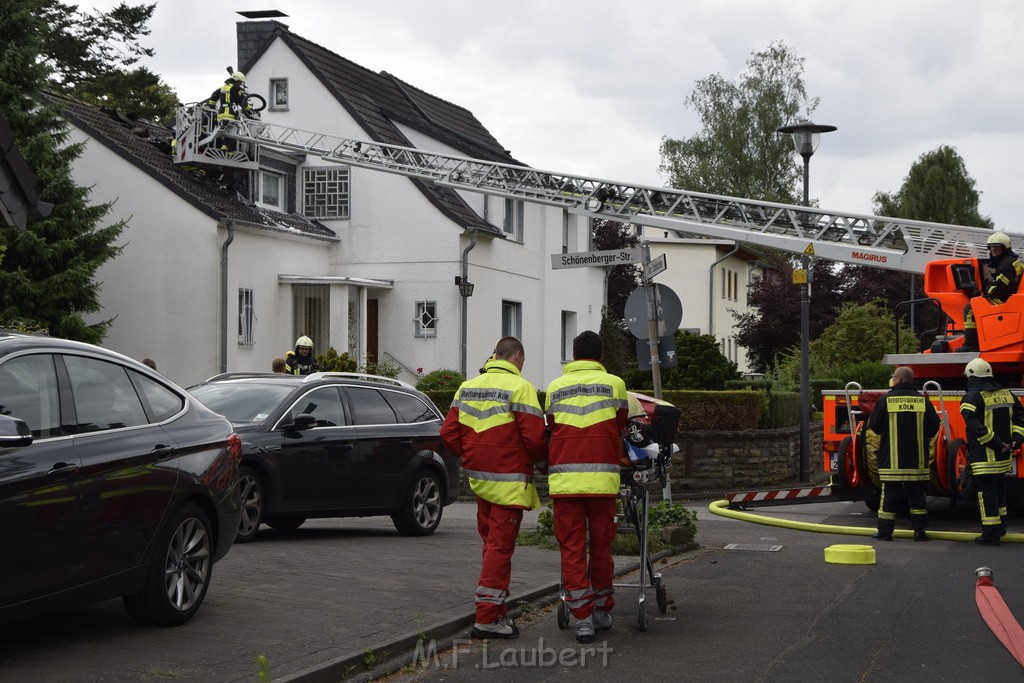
x=47 y=276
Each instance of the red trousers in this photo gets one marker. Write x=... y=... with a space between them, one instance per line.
x=587 y=585
x=498 y=527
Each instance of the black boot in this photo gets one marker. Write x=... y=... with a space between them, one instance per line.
x=919 y=523
x=989 y=535
x=970 y=340
x=885 y=529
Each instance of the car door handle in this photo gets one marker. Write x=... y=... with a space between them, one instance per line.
x=405 y=444
x=162 y=451
x=60 y=470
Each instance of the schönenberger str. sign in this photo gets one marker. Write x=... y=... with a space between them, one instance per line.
x=612 y=257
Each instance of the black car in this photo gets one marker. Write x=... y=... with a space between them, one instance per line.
x=334 y=445
x=113 y=482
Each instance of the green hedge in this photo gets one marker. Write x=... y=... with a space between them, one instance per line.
x=707 y=410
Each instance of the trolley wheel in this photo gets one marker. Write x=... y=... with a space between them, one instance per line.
x=641 y=616
x=563 y=614
x=661 y=594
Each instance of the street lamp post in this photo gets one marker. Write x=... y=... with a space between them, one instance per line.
x=806 y=136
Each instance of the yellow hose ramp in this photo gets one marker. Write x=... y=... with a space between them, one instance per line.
x=721 y=508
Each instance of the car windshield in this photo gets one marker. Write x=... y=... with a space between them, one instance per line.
x=242 y=402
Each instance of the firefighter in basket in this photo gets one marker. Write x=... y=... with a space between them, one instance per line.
x=1007 y=269
x=995 y=428
x=906 y=421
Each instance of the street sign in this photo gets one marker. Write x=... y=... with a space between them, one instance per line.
x=669 y=310
x=656 y=266
x=612 y=257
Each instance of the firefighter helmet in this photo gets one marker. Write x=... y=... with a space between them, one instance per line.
x=238 y=76
x=978 y=367
x=304 y=342
x=998 y=239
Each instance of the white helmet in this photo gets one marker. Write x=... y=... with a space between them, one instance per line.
x=978 y=367
x=240 y=77
x=998 y=239
x=303 y=341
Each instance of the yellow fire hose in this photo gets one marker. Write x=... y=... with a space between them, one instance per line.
x=721 y=508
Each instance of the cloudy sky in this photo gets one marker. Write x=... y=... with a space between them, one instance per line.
x=591 y=87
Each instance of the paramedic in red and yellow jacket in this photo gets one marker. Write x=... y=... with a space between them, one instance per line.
x=496 y=426
x=586 y=412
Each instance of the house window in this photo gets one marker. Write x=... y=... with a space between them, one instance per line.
x=426 y=319
x=278 y=94
x=271 y=190
x=513 y=226
x=246 y=317
x=325 y=192
x=511 y=319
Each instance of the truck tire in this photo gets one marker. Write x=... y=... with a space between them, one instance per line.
x=956 y=461
x=846 y=465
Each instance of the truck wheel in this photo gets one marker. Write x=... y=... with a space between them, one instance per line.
x=846 y=465
x=956 y=461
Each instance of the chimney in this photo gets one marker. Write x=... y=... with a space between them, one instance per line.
x=251 y=35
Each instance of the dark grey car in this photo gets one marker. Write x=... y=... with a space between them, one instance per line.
x=334 y=445
x=113 y=482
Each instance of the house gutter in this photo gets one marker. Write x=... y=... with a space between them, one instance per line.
x=711 y=289
x=230 y=226
x=465 y=300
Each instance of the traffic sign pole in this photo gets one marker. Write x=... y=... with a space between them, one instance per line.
x=652 y=322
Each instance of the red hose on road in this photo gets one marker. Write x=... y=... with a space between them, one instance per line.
x=998 y=616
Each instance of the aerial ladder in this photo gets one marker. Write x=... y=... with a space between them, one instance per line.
x=949 y=256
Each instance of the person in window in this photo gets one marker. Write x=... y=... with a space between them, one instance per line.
x=301 y=361
x=1007 y=269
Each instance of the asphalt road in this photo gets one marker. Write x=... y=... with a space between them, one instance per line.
x=323 y=602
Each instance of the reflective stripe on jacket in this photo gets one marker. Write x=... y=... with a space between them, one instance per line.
x=586 y=411
x=906 y=422
x=993 y=417
x=496 y=426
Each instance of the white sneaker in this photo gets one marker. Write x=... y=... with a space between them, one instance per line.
x=585 y=630
x=602 y=620
x=502 y=628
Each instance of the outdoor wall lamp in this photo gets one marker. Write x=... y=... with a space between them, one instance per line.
x=464 y=285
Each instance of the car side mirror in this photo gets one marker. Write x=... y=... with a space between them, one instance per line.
x=302 y=422
x=14 y=433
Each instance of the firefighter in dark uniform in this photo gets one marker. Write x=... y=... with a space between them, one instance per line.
x=995 y=428
x=906 y=421
x=1007 y=269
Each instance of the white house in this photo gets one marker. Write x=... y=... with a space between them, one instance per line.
x=223 y=273
x=711 y=278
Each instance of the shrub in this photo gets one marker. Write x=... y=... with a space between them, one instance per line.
x=332 y=362
x=382 y=368
x=440 y=380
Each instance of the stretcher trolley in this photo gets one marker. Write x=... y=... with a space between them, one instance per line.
x=650 y=443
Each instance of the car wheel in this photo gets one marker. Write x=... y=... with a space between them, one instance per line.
x=253 y=502
x=285 y=523
x=179 y=573
x=421 y=512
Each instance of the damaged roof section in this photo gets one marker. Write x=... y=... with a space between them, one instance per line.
x=147 y=147
x=380 y=101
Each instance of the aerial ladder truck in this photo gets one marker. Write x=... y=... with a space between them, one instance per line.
x=950 y=257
